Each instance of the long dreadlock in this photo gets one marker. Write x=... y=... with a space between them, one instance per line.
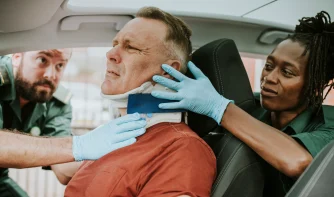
x=316 y=34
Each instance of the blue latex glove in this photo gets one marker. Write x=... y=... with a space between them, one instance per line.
x=106 y=138
x=196 y=95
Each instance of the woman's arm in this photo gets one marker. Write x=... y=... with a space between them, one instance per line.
x=277 y=148
x=274 y=146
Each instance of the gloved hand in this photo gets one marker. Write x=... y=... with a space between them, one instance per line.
x=197 y=95
x=106 y=138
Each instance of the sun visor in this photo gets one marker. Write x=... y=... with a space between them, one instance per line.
x=17 y=15
x=73 y=23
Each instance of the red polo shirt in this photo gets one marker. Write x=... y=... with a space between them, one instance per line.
x=168 y=160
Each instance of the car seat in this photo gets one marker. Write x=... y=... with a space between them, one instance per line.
x=239 y=171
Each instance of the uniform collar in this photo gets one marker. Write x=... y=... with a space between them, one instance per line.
x=301 y=121
x=298 y=124
x=8 y=91
x=39 y=110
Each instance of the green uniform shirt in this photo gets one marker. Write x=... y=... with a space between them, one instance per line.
x=312 y=132
x=52 y=118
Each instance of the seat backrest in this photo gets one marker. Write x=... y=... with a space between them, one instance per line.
x=238 y=167
x=318 y=178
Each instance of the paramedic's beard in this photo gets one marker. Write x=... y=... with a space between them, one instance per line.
x=31 y=92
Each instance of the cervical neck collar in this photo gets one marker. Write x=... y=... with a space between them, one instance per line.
x=121 y=101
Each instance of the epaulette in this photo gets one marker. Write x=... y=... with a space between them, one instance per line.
x=4 y=76
x=62 y=94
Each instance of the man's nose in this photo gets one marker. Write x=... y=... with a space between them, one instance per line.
x=113 y=55
x=50 y=72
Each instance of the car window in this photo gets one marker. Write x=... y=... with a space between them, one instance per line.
x=83 y=77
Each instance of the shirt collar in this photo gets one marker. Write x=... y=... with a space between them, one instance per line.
x=298 y=124
x=38 y=111
x=301 y=121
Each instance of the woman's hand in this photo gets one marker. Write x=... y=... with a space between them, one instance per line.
x=197 y=95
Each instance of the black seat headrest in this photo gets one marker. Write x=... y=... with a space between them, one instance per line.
x=220 y=61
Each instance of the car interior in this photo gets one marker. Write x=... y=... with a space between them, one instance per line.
x=317 y=179
x=223 y=31
x=238 y=167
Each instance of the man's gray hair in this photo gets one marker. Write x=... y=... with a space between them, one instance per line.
x=178 y=35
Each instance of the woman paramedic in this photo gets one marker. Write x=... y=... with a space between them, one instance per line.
x=294 y=125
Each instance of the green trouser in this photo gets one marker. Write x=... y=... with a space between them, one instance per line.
x=8 y=188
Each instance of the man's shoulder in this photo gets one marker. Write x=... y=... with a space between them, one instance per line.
x=188 y=142
x=183 y=130
x=5 y=59
x=59 y=103
x=62 y=94
x=175 y=130
x=181 y=133
x=6 y=72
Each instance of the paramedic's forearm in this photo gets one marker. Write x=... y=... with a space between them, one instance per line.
x=274 y=146
x=22 y=151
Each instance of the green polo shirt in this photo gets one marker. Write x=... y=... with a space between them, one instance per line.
x=52 y=118
x=311 y=131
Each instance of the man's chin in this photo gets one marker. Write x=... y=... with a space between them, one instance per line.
x=108 y=89
x=108 y=92
x=43 y=96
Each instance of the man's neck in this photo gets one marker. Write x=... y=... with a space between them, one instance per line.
x=156 y=118
x=23 y=102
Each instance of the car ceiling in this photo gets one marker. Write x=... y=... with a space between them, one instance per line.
x=255 y=25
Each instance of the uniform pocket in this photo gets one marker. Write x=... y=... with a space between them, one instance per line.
x=104 y=182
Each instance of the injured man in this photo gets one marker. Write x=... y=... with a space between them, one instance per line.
x=169 y=160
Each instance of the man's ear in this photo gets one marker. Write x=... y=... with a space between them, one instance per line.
x=16 y=59
x=173 y=63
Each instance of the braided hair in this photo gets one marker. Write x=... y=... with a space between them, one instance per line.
x=316 y=34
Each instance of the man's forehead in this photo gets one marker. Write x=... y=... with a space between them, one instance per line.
x=57 y=53
x=137 y=37
x=142 y=30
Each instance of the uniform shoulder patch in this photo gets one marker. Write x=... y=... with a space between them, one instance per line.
x=62 y=94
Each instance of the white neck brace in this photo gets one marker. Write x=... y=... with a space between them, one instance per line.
x=121 y=101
